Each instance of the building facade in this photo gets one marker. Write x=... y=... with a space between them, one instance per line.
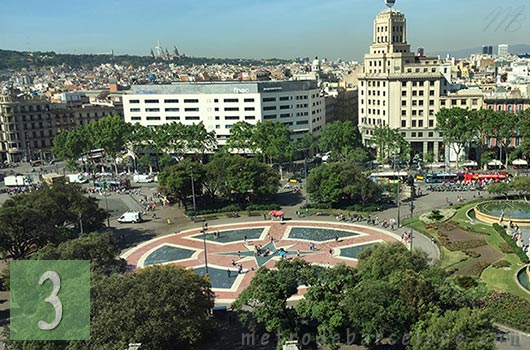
x=220 y=105
x=403 y=91
x=29 y=123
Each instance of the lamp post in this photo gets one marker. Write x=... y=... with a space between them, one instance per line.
x=204 y=229
x=398 y=199
x=305 y=182
x=411 y=211
x=107 y=204
x=193 y=191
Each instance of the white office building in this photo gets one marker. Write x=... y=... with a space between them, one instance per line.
x=219 y=105
x=502 y=50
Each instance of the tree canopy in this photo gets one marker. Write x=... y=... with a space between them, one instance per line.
x=342 y=139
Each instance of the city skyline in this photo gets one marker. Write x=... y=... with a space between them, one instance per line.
x=254 y=29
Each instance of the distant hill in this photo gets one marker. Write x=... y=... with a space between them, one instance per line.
x=17 y=60
x=461 y=53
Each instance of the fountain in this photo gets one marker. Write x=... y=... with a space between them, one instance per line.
x=523 y=278
x=518 y=212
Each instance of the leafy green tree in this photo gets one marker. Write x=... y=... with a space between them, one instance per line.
x=382 y=260
x=521 y=184
x=48 y=215
x=459 y=127
x=176 y=179
x=390 y=143
x=502 y=126
x=70 y=145
x=499 y=188
x=100 y=249
x=146 y=163
x=162 y=307
x=111 y=133
x=465 y=329
x=324 y=301
x=487 y=157
x=429 y=158
x=341 y=184
x=198 y=139
x=273 y=141
x=267 y=296
x=241 y=137
x=340 y=138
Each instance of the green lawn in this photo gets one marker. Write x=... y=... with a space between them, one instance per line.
x=500 y=279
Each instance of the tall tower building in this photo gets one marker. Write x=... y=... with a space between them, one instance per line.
x=503 y=50
x=399 y=89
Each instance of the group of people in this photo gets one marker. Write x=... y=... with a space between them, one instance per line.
x=239 y=269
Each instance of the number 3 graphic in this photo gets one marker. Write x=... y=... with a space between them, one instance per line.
x=52 y=299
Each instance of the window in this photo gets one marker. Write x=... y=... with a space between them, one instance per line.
x=420 y=134
x=442 y=102
x=285 y=115
x=192 y=118
x=216 y=100
x=131 y=110
x=284 y=98
x=269 y=99
x=152 y=118
x=302 y=122
x=249 y=100
x=431 y=92
x=431 y=123
x=152 y=109
x=412 y=134
x=172 y=118
x=151 y=101
x=403 y=123
x=269 y=108
x=403 y=113
x=171 y=101
x=171 y=109
x=250 y=117
x=270 y=116
x=191 y=109
x=420 y=123
x=191 y=100
x=218 y=126
x=431 y=134
x=134 y=101
x=453 y=102
x=136 y=118
x=431 y=103
x=231 y=118
x=231 y=100
x=249 y=108
x=285 y=107
x=404 y=93
x=413 y=123
x=474 y=102
x=231 y=109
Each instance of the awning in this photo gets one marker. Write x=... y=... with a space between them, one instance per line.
x=520 y=162
x=495 y=162
x=470 y=163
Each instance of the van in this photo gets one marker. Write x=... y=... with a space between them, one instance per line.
x=142 y=178
x=131 y=216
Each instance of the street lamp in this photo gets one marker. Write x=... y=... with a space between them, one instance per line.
x=105 y=187
x=305 y=182
x=203 y=231
x=411 y=212
x=193 y=191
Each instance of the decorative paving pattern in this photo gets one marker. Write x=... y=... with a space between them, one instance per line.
x=312 y=241
x=167 y=254
x=230 y=236
x=318 y=234
x=353 y=252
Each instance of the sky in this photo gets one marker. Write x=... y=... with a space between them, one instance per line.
x=254 y=28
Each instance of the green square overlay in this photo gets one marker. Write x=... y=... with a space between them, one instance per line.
x=29 y=310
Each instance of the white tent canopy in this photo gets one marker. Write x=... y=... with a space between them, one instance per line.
x=519 y=162
x=495 y=162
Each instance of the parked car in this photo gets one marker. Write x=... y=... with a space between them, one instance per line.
x=131 y=216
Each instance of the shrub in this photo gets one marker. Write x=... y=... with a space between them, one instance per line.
x=435 y=215
x=506 y=248
x=508 y=309
x=466 y=282
x=501 y=264
x=257 y=207
x=478 y=268
x=522 y=255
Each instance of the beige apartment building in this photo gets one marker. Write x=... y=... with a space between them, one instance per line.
x=29 y=123
x=404 y=91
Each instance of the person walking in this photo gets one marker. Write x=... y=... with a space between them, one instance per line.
x=229 y=273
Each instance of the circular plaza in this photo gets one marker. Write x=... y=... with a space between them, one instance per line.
x=235 y=251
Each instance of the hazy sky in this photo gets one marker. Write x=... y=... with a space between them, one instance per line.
x=253 y=28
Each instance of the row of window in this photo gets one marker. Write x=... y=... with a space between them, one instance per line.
x=192 y=100
x=509 y=108
x=417 y=123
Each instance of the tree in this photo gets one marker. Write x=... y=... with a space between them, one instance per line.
x=176 y=179
x=267 y=295
x=465 y=329
x=146 y=163
x=48 y=215
x=273 y=141
x=499 y=188
x=459 y=127
x=162 y=307
x=324 y=300
x=70 y=145
x=111 y=133
x=428 y=158
x=340 y=184
x=521 y=184
x=340 y=138
x=502 y=126
x=390 y=143
x=100 y=249
x=382 y=260
x=198 y=139
x=241 y=137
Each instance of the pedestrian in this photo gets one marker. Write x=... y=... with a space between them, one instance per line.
x=264 y=216
x=239 y=254
x=246 y=240
x=331 y=252
x=311 y=246
x=239 y=269
x=298 y=253
x=336 y=238
x=229 y=273
x=432 y=240
x=233 y=262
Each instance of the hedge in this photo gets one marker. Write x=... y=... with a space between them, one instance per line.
x=517 y=250
x=234 y=208
x=508 y=309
